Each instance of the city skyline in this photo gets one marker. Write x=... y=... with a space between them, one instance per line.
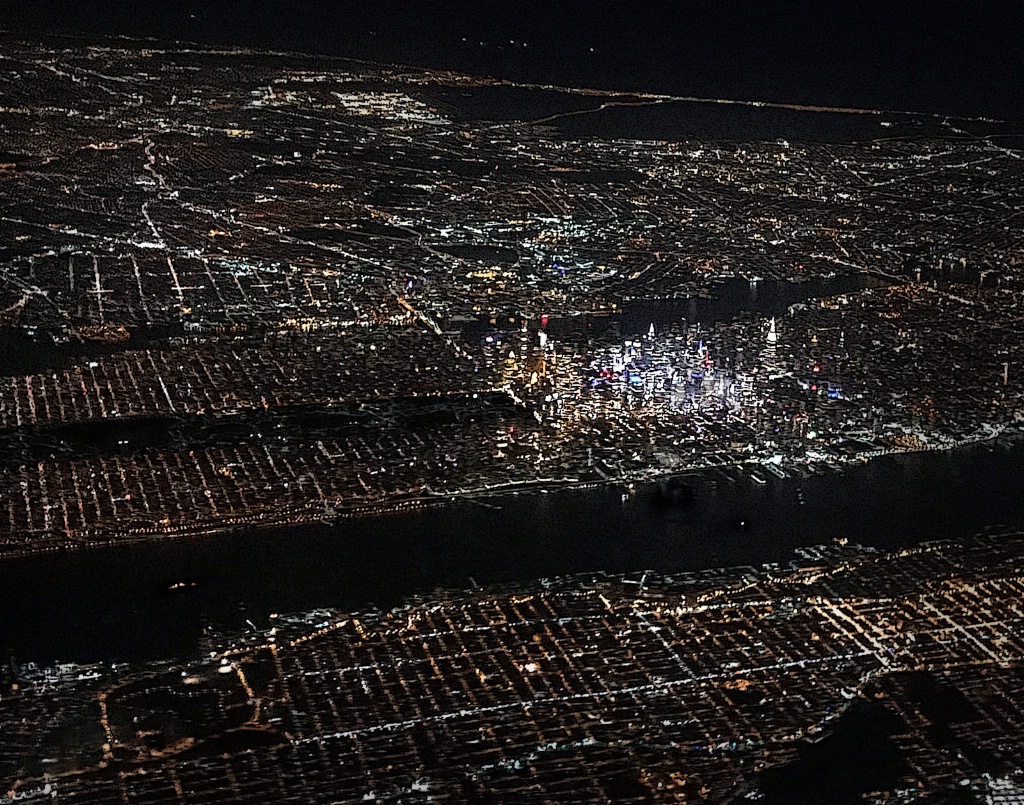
x=488 y=429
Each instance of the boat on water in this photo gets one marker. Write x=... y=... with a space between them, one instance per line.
x=757 y=479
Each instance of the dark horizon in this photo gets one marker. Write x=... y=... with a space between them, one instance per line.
x=947 y=58
x=374 y=432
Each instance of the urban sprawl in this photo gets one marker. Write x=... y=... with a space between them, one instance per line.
x=244 y=289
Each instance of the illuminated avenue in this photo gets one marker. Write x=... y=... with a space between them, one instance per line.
x=242 y=289
x=257 y=288
x=644 y=688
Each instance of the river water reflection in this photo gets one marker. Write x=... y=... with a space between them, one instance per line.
x=109 y=604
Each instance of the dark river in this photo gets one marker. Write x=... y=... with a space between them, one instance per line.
x=108 y=604
x=763 y=298
x=114 y=604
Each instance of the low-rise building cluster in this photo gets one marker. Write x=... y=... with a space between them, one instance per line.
x=639 y=688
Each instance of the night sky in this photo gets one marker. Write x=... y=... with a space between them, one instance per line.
x=949 y=57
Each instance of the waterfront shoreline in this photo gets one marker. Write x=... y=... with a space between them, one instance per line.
x=314 y=515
